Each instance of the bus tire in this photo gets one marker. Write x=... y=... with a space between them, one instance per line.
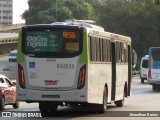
x=120 y=103
x=142 y=80
x=103 y=107
x=2 y=103
x=154 y=88
x=158 y=88
x=44 y=107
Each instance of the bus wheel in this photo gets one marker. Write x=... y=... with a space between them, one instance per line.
x=154 y=87
x=142 y=80
x=103 y=107
x=158 y=88
x=48 y=107
x=120 y=103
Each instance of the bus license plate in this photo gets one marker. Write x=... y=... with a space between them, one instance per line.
x=50 y=96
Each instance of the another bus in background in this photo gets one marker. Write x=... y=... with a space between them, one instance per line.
x=144 y=68
x=154 y=68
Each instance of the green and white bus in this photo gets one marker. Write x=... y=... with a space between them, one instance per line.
x=73 y=63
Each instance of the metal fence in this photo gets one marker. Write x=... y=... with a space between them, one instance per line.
x=9 y=43
x=15 y=27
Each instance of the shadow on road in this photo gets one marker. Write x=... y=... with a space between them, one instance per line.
x=83 y=112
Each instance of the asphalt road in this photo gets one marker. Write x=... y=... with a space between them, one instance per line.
x=143 y=102
x=143 y=105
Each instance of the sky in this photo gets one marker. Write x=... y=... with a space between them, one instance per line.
x=19 y=6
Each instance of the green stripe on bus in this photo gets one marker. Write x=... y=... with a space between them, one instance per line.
x=20 y=56
x=84 y=58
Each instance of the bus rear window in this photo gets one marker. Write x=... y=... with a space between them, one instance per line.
x=145 y=63
x=51 y=42
x=156 y=54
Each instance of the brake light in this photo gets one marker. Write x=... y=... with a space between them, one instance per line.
x=82 y=77
x=149 y=73
x=21 y=76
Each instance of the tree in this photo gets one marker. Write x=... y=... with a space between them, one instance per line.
x=157 y=2
x=135 y=18
x=138 y=19
x=48 y=11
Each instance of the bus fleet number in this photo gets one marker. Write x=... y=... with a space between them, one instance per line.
x=65 y=66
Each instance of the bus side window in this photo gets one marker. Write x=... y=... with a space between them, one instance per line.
x=117 y=51
x=125 y=53
x=108 y=51
x=101 y=49
x=97 y=50
x=120 y=52
x=92 y=49
x=90 y=45
x=104 y=50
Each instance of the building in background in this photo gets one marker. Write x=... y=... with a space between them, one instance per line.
x=6 y=12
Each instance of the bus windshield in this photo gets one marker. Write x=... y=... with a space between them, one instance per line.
x=156 y=54
x=54 y=42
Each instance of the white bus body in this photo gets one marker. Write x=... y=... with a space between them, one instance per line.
x=95 y=71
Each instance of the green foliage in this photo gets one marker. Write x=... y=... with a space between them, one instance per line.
x=138 y=19
x=49 y=11
x=157 y=2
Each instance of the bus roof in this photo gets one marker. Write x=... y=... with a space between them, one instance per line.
x=83 y=24
x=86 y=23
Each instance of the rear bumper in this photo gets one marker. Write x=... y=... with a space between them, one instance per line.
x=143 y=76
x=153 y=81
x=29 y=95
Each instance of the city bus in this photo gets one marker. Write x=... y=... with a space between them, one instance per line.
x=73 y=63
x=154 y=68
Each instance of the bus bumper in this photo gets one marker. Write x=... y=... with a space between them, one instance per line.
x=153 y=81
x=55 y=96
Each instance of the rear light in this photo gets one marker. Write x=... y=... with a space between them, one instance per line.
x=149 y=73
x=82 y=77
x=21 y=76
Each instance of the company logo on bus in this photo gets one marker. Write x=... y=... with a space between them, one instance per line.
x=51 y=82
x=36 y=41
